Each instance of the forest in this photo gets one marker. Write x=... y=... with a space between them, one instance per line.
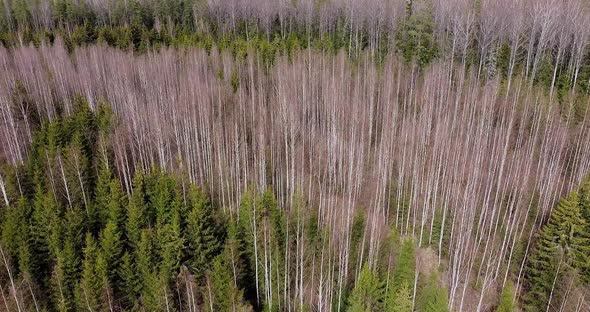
x=295 y=155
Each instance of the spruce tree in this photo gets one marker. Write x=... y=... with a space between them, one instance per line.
x=433 y=297
x=76 y=168
x=201 y=233
x=399 y=300
x=129 y=280
x=405 y=266
x=218 y=286
x=98 y=213
x=44 y=208
x=111 y=248
x=367 y=294
x=136 y=217
x=14 y=228
x=89 y=292
x=507 y=303
x=563 y=242
x=147 y=273
x=244 y=239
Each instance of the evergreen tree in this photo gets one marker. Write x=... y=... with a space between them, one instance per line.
x=219 y=286
x=136 y=217
x=89 y=292
x=111 y=248
x=201 y=233
x=76 y=167
x=400 y=300
x=168 y=247
x=563 y=242
x=507 y=303
x=244 y=239
x=367 y=294
x=148 y=277
x=129 y=279
x=98 y=213
x=406 y=265
x=14 y=228
x=433 y=297
x=44 y=209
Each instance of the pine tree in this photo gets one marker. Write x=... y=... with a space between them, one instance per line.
x=367 y=294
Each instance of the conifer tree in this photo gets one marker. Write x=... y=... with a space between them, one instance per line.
x=562 y=243
x=201 y=233
x=433 y=297
x=148 y=274
x=405 y=266
x=218 y=286
x=168 y=247
x=507 y=303
x=399 y=300
x=89 y=293
x=98 y=213
x=44 y=209
x=129 y=280
x=76 y=167
x=115 y=204
x=367 y=294
x=14 y=228
x=245 y=237
x=136 y=217
x=106 y=287
x=111 y=248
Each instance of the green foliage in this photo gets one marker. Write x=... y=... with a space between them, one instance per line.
x=202 y=235
x=224 y=293
x=507 y=303
x=562 y=243
x=234 y=80
x=136 y=210
x=89 y=292
x=400 y=300
x=367 y=294
x=433 y=297
x=406 y=265
x=415 y=38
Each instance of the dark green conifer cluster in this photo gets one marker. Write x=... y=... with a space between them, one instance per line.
x=562 y=251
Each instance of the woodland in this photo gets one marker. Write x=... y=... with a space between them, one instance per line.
x=295 y=155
